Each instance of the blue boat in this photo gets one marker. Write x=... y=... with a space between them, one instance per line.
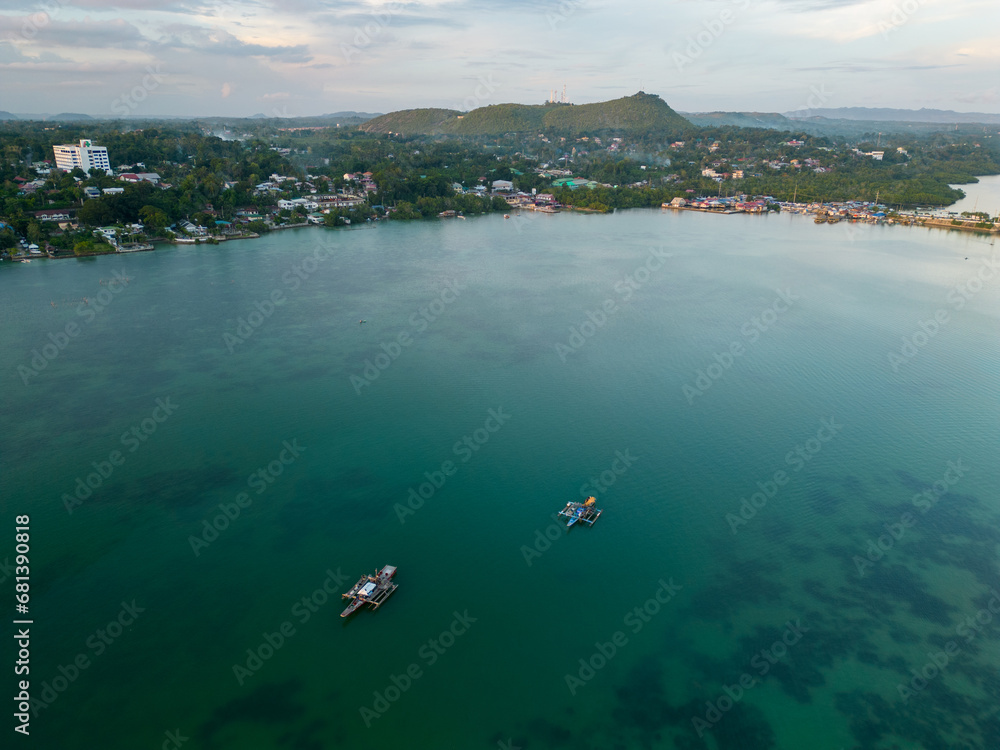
x=586 y=512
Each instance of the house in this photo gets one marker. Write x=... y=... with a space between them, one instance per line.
x=190 y=228
x=58 y=215
x=502 y=186
x=296 y=203
x=113 y=191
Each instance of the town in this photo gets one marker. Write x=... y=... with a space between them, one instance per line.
x=202 y=184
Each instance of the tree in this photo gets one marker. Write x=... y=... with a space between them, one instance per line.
x=7 y=239
x=154 y=219
x=35 y=234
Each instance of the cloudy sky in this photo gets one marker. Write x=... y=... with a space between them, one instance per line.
x=309 y=57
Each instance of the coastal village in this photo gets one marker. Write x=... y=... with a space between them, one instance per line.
x=287 y=200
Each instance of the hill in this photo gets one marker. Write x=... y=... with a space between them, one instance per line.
x=411 y=121
x=8 y=116
x=497 y=119
x=883 y=114
x=768 y=120
x=69 y=117
x=641 y=113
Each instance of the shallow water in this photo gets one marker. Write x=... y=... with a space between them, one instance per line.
x=645 y=402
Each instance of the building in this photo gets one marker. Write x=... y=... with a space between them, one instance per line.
x=86 y=156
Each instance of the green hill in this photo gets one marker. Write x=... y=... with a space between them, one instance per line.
x=411 y=121
x=641 y=113
x=497 y=119
x=767 y=120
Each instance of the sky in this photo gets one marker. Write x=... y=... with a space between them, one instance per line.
x=292 y=58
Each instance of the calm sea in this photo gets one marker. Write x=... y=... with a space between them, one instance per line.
x=791 y=429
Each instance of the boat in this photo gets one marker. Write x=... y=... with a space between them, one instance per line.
x=587 y=512
x=372 y=590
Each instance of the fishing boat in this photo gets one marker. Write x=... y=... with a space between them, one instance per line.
x=586 y=512
x=372 y=590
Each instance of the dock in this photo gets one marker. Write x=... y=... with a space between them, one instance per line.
x=587 y=512
x=372 y=590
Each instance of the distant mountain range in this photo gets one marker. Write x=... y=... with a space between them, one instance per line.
x=640 y=113
x=844 y=127
x=350 y=117
x=942 y=116
x=634 y=115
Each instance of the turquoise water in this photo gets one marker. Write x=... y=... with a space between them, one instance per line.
x=480 y=306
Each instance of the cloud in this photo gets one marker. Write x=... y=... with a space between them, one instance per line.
x=227 y=89
x=51 y=31
x=11 y=54
x=217 y=41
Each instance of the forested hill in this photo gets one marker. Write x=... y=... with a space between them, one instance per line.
x=638 y=114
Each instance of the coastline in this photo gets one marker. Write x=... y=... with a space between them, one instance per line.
x=818 y=210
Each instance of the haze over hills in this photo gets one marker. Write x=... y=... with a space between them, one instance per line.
x=942 y=116
x=640 y=113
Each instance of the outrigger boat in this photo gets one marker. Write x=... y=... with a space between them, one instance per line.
x=586 y=512
x=371 y=590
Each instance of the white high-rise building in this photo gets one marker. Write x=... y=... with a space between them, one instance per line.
x=86 y=156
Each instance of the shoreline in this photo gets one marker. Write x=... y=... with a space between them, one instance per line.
x=804 y=210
